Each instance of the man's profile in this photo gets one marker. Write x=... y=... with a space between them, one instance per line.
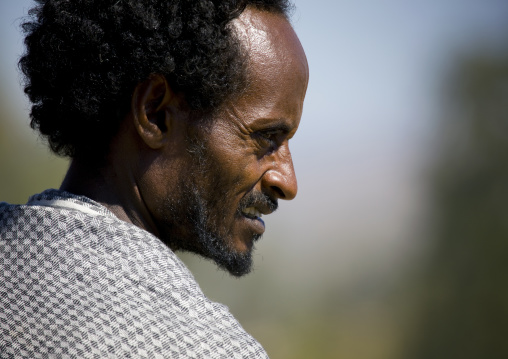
x=176 y=115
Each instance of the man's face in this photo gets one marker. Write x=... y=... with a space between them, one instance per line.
x=239 y=163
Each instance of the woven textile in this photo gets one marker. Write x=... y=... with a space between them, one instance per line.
x=76 y=282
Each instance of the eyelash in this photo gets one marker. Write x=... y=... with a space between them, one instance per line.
x=269 y=137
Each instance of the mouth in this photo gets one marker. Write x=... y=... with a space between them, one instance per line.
x=253 y=207
x=253 y=216
x=252 y=213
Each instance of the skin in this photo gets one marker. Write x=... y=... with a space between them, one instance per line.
x=164 y=161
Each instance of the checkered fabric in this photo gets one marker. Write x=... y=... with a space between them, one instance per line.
x=77 y=282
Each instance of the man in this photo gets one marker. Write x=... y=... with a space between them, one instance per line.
x=177 y=117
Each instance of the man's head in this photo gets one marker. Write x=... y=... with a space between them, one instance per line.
x=206 y=154
x=84 y=58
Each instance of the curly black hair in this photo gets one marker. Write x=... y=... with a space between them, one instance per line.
x=84 y=57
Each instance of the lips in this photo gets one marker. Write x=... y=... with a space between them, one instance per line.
x=253 y=206
x=252 y=217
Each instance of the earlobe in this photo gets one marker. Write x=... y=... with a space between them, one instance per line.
x=153 y=107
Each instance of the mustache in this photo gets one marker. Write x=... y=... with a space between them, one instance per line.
x=258 y=199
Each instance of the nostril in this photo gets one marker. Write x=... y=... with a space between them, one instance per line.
x=280 y=193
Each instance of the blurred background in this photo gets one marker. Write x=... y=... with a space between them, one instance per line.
x=397 y=244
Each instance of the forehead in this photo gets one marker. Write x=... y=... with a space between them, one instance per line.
x=277 y=71
x=271 y=46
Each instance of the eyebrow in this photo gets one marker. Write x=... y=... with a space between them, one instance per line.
x=281 y=126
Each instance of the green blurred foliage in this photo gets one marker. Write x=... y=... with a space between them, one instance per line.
x=462 y=292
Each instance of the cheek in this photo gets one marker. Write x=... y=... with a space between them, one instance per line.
x=236 y=158
x=158 y=182
x=242 y=172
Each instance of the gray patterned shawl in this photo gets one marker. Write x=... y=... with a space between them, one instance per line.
x=77 y=282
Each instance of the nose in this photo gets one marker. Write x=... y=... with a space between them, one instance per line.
x=280 y=179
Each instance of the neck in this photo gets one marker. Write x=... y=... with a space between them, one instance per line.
x=112 y=186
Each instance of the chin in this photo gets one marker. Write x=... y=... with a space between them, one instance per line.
x=237 y=261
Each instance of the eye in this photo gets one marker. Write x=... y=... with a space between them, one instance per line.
x=268 y=138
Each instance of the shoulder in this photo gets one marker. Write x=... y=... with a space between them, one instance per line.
x=100 y=280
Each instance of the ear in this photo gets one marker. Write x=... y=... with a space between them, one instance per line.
x=154 y=107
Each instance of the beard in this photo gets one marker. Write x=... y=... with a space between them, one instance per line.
x=196 y=220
